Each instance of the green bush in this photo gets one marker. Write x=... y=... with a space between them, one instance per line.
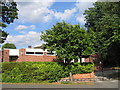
x=16 y=72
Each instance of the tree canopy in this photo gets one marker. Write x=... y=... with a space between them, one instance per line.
x=3 y=36
x=104 y=20
x=69 y=41
x=9 y=46
x=8 y=15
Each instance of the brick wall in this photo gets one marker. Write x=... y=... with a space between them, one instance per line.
x=34 y=58
x=87 y=75
x=89 y=59
x=6 y=56
x=96 y=60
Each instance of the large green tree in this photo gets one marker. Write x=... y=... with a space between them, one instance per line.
x=8 y=9
x=9 y=46
x=69 y=41
x=104 y=20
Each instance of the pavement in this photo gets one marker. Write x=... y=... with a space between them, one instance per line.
x=99 y=84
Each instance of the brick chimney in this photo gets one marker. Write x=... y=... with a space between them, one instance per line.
x=29 y=46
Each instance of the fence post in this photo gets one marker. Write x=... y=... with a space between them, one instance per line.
x=71 y=78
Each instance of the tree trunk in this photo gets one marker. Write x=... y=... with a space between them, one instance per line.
x=80 y=59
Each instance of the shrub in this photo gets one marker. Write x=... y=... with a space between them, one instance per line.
x=41 y=71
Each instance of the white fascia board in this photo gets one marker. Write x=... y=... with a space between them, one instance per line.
x=14 y=52
x=83 y=59
x=35 y=50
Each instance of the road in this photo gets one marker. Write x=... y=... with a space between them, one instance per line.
x=101 y=85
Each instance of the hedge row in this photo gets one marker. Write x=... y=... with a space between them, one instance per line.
x=41 y=71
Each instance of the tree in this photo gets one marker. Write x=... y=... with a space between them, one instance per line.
x=104 y=20
x=9 y=46
x=8 y=15
x=3 y=36
x=69 y=41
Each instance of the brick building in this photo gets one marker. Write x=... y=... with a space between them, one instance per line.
x=27 y=54
x=34 y=55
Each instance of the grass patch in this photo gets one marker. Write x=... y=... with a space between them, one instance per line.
x=66 y=82
x=54 y=83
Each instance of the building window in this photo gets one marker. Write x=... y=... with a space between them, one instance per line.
x=13 y=58
x=34 y=53
x=29 y=52
x=50 y=54
x=39 y=53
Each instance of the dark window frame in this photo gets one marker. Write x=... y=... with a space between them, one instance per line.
x=39 y=53
x=29 y=53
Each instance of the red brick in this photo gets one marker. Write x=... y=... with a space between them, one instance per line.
x=79 y=76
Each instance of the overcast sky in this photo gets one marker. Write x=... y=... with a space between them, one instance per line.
x=35 y=16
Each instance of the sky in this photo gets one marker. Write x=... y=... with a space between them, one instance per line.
x=40 y=15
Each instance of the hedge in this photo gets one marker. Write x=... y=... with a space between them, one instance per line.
x=16 y=72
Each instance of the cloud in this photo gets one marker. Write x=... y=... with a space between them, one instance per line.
x=22 y=27
x=66 y=14
x=32 y=27
x=35 y=11
x=47 y=18
x=83 y=5
x=35 y=1
x=23 y=32
x=25 y=39
x=86 y=0
x=39 y=11
x=81 y=19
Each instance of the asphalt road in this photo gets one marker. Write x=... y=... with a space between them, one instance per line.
x=101 y=85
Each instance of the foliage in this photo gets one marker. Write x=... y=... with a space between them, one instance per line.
x=9 y=46
x=104 y=20
x=3 y=36
x=8 y=14
x=69 y=41
x=78 y=68
x=40 y=71
x=9 y=11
